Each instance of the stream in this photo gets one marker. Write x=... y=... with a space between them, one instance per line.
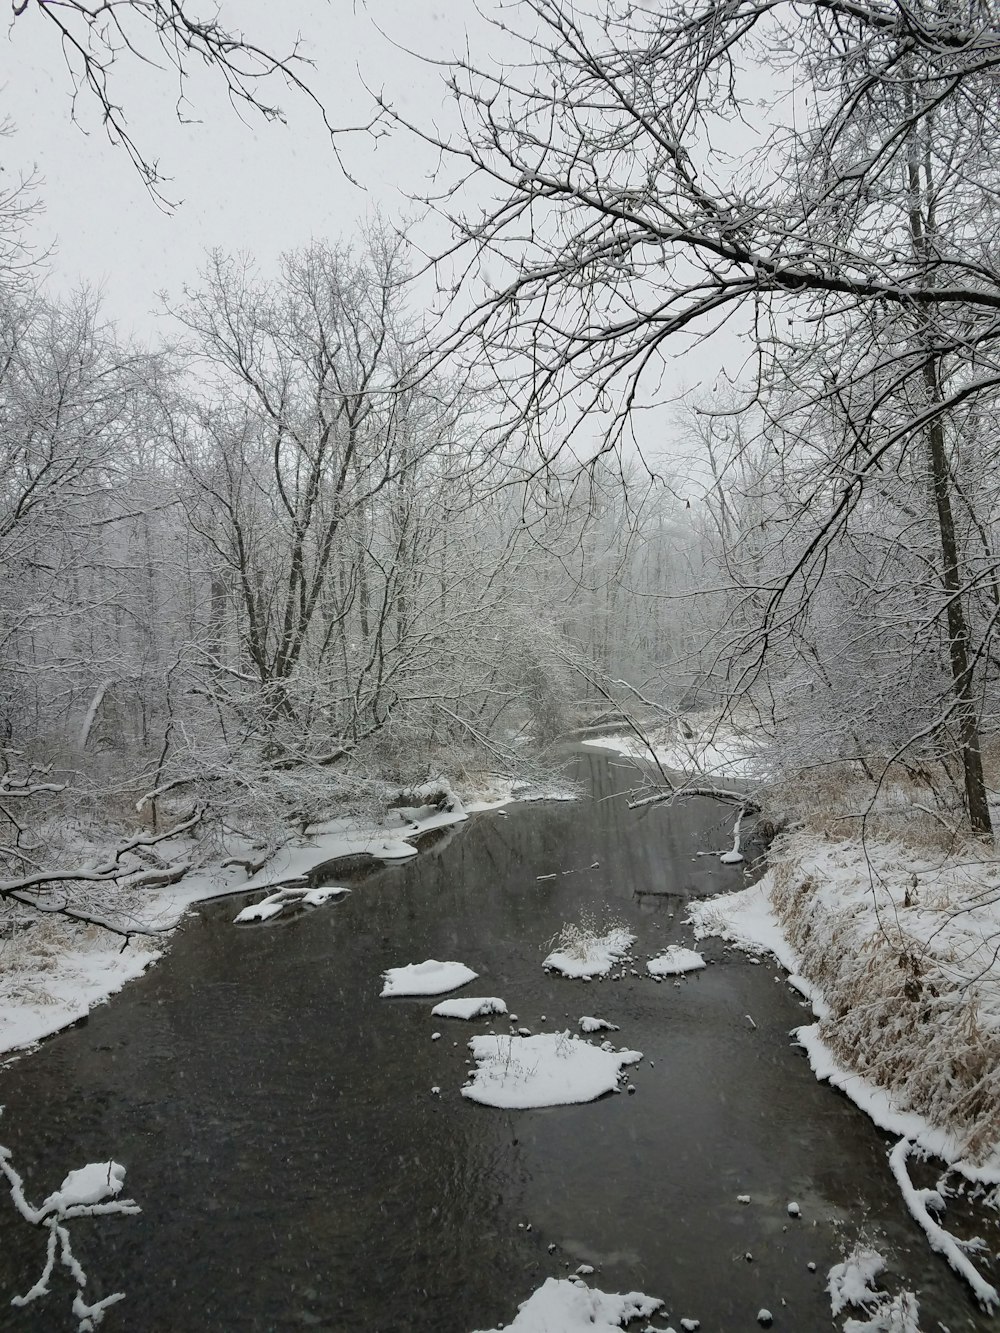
x=295 y=1171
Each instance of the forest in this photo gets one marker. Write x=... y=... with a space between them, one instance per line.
x=390 y=513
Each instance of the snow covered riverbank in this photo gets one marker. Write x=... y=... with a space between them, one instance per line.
x=53 y=970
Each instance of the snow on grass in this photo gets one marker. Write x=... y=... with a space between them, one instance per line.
x=54 y=972
x=283 y=899
x=896 y=952
x=897 y=1315
x=564 y=1306
x=586 y=949
x=429 y=978
x=469 y=1007
x=674 y=961
x=551 y=1069
x=588 y=1024
x=713 y=749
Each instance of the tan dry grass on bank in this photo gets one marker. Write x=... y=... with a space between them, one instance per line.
x=902 y=942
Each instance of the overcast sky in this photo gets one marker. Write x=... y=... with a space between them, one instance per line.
x=250 y=186
x=245 y=186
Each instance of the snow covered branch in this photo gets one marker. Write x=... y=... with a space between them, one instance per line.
x=89 y=1191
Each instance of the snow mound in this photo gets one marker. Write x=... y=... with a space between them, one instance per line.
x=850 y=1282
x=673 y=961
x=551 y=1069
x=470 y=1007
x=582 y=954
x=276 y=903
x=429 y=978
x=562 y=1306
x=88 y=1185
x=588 y=1024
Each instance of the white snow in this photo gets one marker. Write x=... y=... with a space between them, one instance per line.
x=674 y=961
x=954 y=1251
x=429 y=978
x=469 y=1007
x=564 y=1306
x=54 y=972
x=276 y=903
x=589 y=1024
x=591 y=955
x=715 y=751
x=87 y=1185
x=897 y=1315
x=850 y=1282
x=551 y=1069
x=748 y=920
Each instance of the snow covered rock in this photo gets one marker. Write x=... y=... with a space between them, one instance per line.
x=564 y=1306
x=429 y=978
x=588 y=1024
x=551 y=1069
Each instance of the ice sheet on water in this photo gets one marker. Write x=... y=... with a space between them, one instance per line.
x=428 y=978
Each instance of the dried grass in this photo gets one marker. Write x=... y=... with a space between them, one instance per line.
x=906 y=1009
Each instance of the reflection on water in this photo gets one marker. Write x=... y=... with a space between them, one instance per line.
x=276 y=1119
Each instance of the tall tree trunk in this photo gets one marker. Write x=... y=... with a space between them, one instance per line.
x=958 y=631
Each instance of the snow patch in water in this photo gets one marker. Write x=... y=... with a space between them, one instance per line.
x=470 y=1007
x=429 y=978
x=563 y=1306
x=674 y=961
x=588 y=955
x=551 y=1069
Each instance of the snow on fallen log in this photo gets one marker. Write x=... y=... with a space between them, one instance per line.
x=953 y=1250
x=275 y=904
x=572 y=1307
x=429 y=978
x=551 y=1069
x=89 y=1191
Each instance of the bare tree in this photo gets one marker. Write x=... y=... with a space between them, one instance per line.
x=623 y=213
x=96 y=37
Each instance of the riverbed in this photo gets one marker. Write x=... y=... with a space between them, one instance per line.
x=296 y=1171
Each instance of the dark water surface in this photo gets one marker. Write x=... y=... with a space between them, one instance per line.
x=295 y=1172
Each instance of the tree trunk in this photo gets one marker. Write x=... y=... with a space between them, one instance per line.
x=958 y=632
